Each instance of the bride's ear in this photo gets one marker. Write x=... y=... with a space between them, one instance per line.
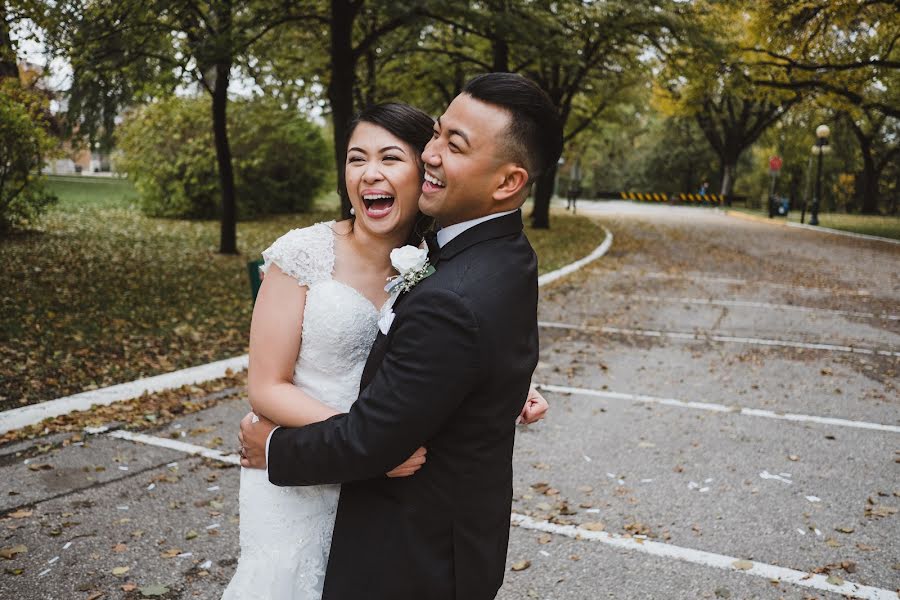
x=514 y=179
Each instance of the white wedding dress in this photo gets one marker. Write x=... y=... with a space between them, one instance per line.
x=285 y=532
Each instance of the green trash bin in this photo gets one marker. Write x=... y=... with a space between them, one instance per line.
x=256 y=277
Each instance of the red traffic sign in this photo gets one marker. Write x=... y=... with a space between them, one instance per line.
x=775 y=163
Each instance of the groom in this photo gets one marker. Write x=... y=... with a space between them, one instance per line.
x=450 y=373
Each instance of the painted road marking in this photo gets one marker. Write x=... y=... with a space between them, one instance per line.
x=703 y=337
x=752 y=304
x=694 y=276
x=699 y=557
x=150 y=440
x=707 y=559
x=35 y=413
x=572 y=267
x=720 y=408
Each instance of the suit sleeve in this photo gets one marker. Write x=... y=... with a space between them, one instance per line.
x=429 y=367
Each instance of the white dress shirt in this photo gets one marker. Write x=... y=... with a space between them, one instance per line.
x=444 y=235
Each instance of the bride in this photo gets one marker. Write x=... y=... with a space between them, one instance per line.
x=314 y=322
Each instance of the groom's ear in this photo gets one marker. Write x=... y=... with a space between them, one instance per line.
x=512 y=180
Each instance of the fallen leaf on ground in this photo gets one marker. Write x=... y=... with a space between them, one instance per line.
x=880 y=511
x=545 y=538
x=844 y=529
x=129 y=587
x=154 y=590
x=593 y=526
x=40 y=467
x=834 y=580
x=10 y=552
x=21 y=513
x=742 y=565
x=521 y=565
x=170 y=553
x=120 y=570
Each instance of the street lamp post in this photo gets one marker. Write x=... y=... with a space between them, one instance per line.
x=819 y=150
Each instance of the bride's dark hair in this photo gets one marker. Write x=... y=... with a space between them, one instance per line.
x=410 y=125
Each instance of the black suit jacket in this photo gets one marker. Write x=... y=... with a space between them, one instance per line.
x=452 y=374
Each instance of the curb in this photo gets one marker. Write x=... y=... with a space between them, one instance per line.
x=862 y=236
x=35 y=413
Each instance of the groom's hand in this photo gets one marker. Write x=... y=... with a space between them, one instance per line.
x=252 y=437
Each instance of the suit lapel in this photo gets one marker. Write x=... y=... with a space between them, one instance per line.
x=489 y=230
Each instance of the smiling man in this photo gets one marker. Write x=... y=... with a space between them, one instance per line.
x=449 y=374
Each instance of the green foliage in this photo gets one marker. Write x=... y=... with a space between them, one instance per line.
x=280 y=160
x=24 y=144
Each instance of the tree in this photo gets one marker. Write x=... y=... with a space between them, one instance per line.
x=705 y=79
x=846 y=54
x=25 y=142
x=125 y=52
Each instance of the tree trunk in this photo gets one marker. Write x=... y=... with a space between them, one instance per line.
x=729 y=174
x=8 y=66
x=340 y=90
x=501 y=56
x=228 y=235
x=869 y=180
x=543 y=193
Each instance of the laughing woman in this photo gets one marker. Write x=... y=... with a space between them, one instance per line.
x=313 y=325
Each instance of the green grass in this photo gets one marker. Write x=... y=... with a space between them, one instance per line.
x=101 y=294
x=78 y=193
x=888 y=227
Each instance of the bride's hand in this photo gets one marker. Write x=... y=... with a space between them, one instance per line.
x=535 y=408
x=410 y=466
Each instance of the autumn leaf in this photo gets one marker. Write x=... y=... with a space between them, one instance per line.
x=521 y=565
x=834 y=580
x=844 y=529
x=118 y=571
x=593 y=526
x=154 y=590
x=742 y=565
x=10 y=552
x=21 y=513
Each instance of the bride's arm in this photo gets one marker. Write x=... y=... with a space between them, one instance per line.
x=275 y=338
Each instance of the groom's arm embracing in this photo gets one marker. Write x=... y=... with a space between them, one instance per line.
x=430 y=365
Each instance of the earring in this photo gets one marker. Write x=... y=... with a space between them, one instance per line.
x=352 y=212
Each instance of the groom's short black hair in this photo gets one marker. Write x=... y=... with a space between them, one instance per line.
x=535 y=137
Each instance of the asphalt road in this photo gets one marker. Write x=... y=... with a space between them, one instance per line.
x=722 y=391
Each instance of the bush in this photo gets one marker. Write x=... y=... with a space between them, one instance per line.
x=24 y=143
x=280 y=160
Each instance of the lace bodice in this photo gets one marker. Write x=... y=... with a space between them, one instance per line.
x=286 y=532
x=339 y=323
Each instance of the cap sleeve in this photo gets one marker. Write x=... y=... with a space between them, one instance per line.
x=305 y=254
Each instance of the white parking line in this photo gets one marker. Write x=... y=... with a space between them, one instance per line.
x=752 y=304
x=700 y=557
x=720 y=408
x=708 y=559
x=35 y=413
x=150 y=440
x=694 y=276
x=703 y=337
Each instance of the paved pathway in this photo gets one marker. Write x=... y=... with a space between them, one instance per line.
x=682 y=459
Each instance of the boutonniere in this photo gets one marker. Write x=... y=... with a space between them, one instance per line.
x=413 y=266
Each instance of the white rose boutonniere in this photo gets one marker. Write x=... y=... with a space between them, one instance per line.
x=413 y=266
